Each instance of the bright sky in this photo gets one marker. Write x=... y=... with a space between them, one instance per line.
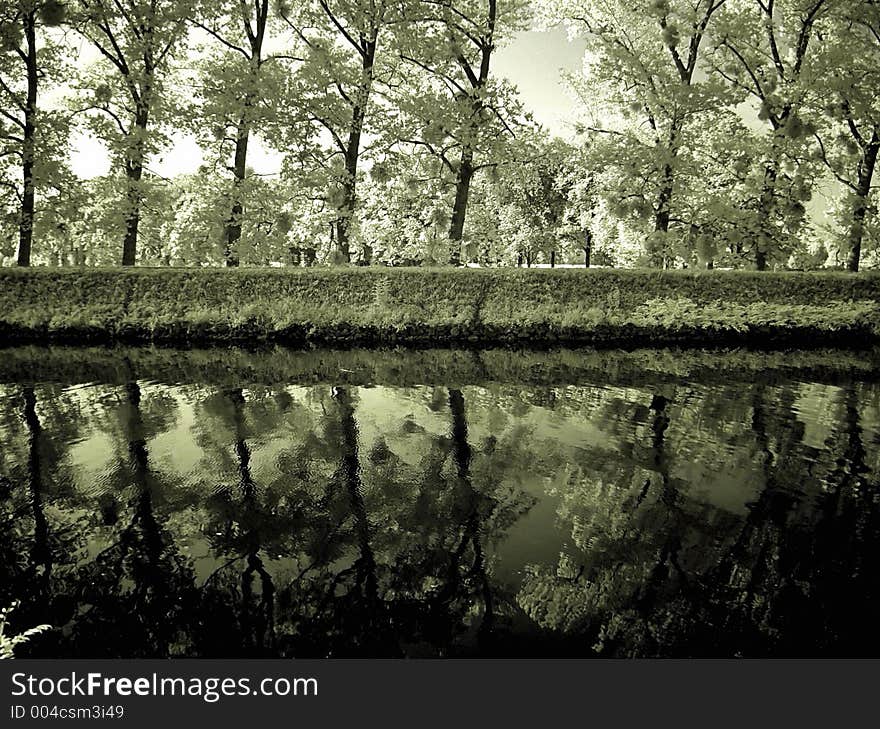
x=533 y=61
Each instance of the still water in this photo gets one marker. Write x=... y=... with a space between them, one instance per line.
x=224 y=503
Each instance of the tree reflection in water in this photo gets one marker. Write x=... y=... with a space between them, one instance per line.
x=646 y=519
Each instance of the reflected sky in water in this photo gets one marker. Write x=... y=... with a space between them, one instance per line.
x=644 y=515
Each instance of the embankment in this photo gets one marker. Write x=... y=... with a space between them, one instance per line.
x=430 y=307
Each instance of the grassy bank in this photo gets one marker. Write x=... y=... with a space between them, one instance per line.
x=431 y=306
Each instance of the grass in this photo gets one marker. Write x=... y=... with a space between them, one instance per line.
x=347 y=306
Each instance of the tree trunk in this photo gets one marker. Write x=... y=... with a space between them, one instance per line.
x=860 y=205
x=661 y=219
x=664 y=196
x=552 y=259
x=242 y=136
x=259 y=628
x=466 y=166
x=134 y=170
x=239 y=170
x=588 y=247
x=342 y=224
x=242 y=450
x=350 y=466
x=461 y=448
x=151 y=599
x=26 y=221
x=459 y=208
x=349 y=473
x=767 y=207
x=353 y=150
x=765 y=212
x=134 y=433
x=462 y=457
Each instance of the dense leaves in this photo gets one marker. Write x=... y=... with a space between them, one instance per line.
x=711 y=134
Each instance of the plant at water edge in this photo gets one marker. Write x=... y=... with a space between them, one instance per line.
x=9 y=642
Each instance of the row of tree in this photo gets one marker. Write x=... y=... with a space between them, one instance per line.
x=707 y=128
x=732 y=110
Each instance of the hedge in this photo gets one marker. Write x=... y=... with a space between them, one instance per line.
x=442 y=305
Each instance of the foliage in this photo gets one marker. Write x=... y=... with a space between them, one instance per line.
x=684 y=313
x=126 y=96
x=703 y=134
x=33 y=140
x=9 y=642
x=422 y=305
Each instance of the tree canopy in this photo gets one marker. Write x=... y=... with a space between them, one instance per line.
x=707 y=133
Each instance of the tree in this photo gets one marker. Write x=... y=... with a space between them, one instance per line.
x=845 y=78
x=644 y=65
x=718 y=211
x=531 y=195
x=338 y=80
x=137 y=40
x=580 y=217
x=238 y=85
x=454 y=47
x=761 y=48
x=31 y=57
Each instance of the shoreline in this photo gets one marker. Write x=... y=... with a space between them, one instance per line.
x=276 y=365
x=622 y=336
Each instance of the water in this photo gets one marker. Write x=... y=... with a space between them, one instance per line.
x=223 y=503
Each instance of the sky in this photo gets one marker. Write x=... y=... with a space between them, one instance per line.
x=534 y=61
